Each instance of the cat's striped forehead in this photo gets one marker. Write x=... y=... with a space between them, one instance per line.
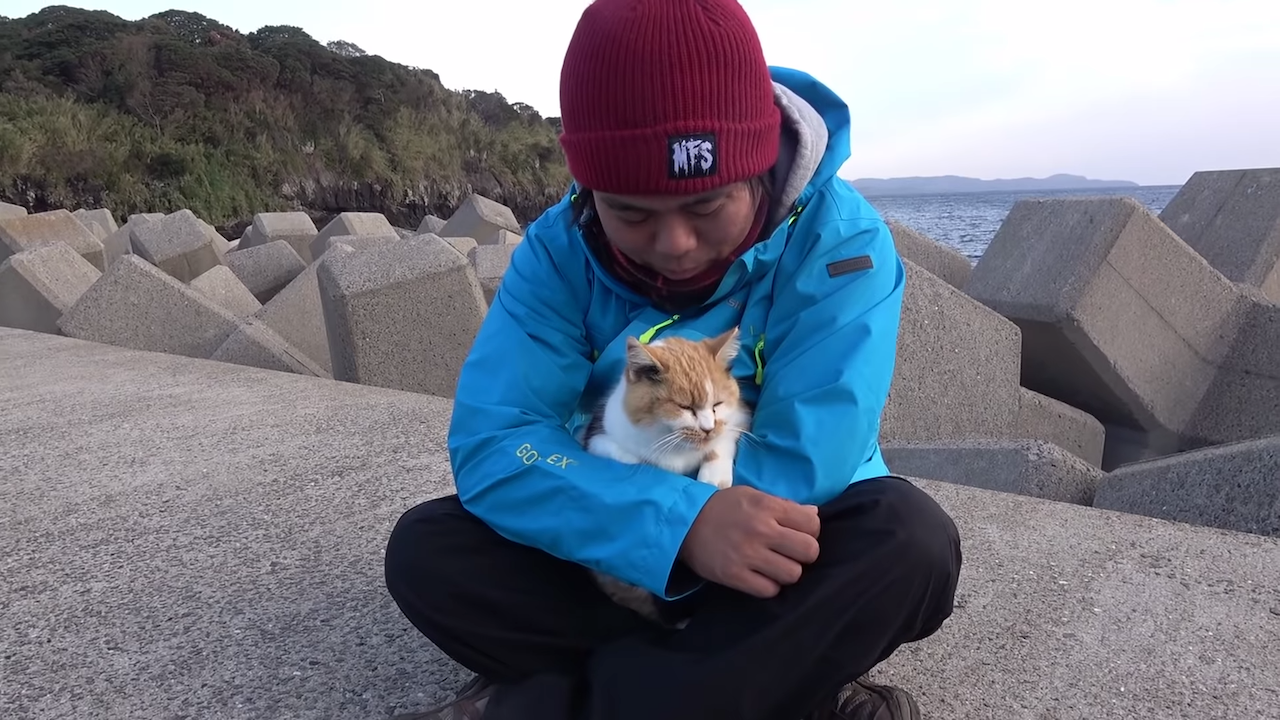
x=690 y=372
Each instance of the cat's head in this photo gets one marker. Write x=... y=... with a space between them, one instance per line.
x=683 y=387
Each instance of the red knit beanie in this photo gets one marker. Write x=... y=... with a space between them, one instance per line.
x=661 y=97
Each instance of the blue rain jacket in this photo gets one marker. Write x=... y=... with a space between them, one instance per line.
x=818 y=304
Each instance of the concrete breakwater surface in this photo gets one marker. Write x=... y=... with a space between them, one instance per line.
x=209 y=442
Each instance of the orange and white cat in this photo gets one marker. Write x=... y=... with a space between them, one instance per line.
x=678 y=407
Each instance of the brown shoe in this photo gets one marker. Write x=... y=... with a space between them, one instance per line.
x=468 y=704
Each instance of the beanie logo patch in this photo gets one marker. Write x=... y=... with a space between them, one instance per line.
x=692 y=156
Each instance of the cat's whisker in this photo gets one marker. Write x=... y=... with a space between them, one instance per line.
x=750 y=436
x=665 y=450
x=656 y=447
x=656 y=457
x=663 y=446
x=668 y=439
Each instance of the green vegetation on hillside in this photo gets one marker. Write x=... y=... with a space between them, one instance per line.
x=177 y=110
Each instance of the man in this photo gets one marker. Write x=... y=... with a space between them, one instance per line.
x=705 y=197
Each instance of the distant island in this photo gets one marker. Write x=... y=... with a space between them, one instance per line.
x=948 y=184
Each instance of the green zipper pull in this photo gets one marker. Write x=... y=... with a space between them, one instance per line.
x=648 y=334
x=760 y=360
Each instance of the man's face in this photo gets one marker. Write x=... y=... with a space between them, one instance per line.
x=679 y=235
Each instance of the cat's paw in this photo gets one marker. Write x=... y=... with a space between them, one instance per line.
x=606 y=446
x=721 y=476
x=624 y=456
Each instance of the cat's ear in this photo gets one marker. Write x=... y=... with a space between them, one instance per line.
x=725 y=346
x=641 y=363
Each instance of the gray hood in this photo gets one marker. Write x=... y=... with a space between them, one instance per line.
x=804 y=141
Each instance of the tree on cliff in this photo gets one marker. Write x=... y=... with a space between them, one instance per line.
x=178 y=110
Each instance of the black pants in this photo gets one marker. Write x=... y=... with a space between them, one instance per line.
x=886 y=575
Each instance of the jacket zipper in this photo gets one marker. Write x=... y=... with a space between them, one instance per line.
x=647 y=335
x=759 y=350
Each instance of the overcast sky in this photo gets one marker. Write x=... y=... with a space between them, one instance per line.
x=1142 y=90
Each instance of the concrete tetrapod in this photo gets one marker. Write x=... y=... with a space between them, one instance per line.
x=1122 y=319
x=1232 y=218
x=400 y=314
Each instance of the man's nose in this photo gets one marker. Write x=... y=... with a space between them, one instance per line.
x=675 y=237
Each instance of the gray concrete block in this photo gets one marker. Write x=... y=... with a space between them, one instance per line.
x=1236 y=406
x=120 y=241
x=490 y=263
x=352 y=223
x=356 y=242
x=8 y=210
x=480 y=218
x=38 y=285
x=118 y=244
x=464 y=245
x=1232 y=219
x=1121 y=319
x=221 y=246
x=136 y=305
x=1243 y=400
x=296 y=315
x=256 y=345
x=222 y=286
x=956 y=375
x=1026 y=467
x=97 y=230
x=295 y=228
x=942 y=260
x=506 y=237
x=402 y=314
x=179 y=244
x=133 y=222
x=1235 y=486
x=1072 y=429
x=265 y=500
x=1255 y=348
x=430 y=225
x=101 y=216
x=266 y=269
x=25 y=232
